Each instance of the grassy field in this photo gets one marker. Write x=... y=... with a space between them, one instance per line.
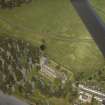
x=99 y=6
x=56 y=21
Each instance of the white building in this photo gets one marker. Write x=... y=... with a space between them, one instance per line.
x=86 y=94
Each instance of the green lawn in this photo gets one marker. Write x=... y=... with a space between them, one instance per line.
x=56 y=21
x=99 y=6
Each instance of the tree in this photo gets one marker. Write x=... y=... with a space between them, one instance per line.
x=43 y=46
x=94 y=101
x=103 y=102
x=12 y=3
x=2 y=2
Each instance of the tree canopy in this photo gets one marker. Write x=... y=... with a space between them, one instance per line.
x=12 y=3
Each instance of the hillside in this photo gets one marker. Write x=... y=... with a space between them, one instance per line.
x=68 y=41
x=46 y=51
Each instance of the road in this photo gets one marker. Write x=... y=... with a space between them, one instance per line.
x=92 y=21
x=10 y=100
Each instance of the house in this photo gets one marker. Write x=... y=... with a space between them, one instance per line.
x=86 y=94
x=85 y=97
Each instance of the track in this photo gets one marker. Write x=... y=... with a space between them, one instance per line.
x=92 y=21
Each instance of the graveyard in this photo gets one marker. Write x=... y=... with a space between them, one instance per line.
x=17 y=59
x=53 y=29
x=20 y=72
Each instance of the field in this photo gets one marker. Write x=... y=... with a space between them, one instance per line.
x=56 y=21
x=99 y=6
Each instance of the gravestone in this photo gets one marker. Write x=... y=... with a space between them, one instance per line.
x=17 y=58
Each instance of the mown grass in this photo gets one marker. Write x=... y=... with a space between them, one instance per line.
x=99 y=6
x=56 y=21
